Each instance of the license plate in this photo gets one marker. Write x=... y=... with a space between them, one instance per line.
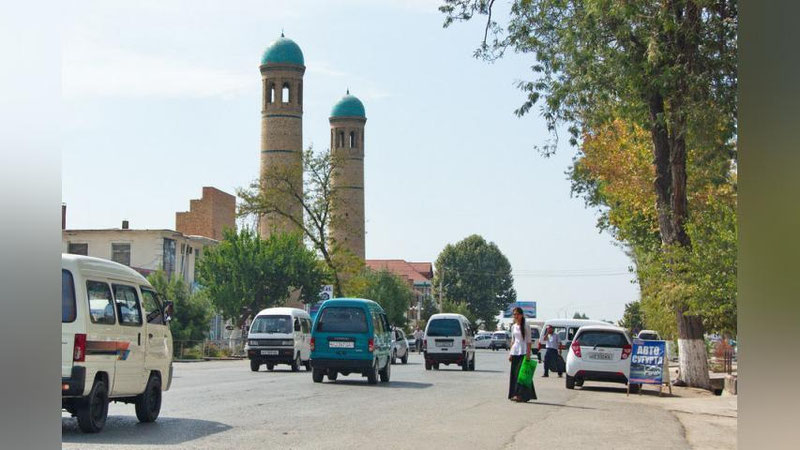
x=444 y=344
x=341 y=344
x=269 y=352
x=603 y=356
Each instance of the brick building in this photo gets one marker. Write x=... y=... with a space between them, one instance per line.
x=419 y=276
x=209 y=215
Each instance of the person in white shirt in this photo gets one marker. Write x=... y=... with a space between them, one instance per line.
x=418 y=334
x=552 y=342
x=520 y=348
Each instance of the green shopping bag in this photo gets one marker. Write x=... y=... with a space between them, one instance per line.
x=526 y=370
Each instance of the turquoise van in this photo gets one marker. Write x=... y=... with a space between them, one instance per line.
x=351 y=335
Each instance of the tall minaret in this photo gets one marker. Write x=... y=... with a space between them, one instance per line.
x=282 y=68
x=347 y=148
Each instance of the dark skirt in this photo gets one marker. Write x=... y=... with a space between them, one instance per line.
x=523 y=392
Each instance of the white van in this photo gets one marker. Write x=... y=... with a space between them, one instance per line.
x=280 y=336
x=566 y=329
x=449 y=340
x=115 y=341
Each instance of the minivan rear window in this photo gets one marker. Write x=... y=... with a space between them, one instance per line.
x=339 y=319
x=272 y=324
x=68 y=306
x=444 y=327
x=610 y=339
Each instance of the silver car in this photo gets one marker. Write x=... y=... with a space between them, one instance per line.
x=399 y=347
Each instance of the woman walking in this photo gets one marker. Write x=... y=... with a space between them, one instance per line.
x=520 y=348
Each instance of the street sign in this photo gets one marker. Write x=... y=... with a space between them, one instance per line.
x=649 y=364
x=529 y=308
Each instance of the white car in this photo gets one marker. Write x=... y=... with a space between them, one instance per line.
x=448 y=340
x=599 y=353
x=483 y=340
x=399 y=347
x=115 y=341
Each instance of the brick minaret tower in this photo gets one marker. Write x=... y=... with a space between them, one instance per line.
x=282 y=69
x=347 y=147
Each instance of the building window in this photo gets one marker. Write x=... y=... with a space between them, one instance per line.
x=300 y=93
x=121 y=253
x=285 y=93
x=78 y=249
x=271 y=94
x=352 y=139
x=341 y=139
x=168 y=262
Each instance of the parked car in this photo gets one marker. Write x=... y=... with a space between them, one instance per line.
x=566 y=329
x=599 y=353
x=448 y=340
x=411 y=343
x=115 y=341
x=649 y=335
x=483 y=340
x=535 y=336
x=279 y=336
x=399 y=347
x=500 y=339
x=351 y=335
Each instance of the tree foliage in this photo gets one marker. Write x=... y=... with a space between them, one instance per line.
x=579 y=315
x=279 y=189
x=632 y=319
x=192 y=311
x=387 y=289
x=244 y=274
x=477 y=273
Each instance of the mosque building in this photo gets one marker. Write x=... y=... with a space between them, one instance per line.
x=282 y=69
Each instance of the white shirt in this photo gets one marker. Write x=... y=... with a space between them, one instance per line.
x=418 y=334
x=552 y=341
x=520 y=345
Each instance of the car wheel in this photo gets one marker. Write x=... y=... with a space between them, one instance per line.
x=394 y=357
x=270 y=366
x=570 y=382
x=465 y=364
x=254 y=365
x=404 y=359
x=93 y=410
x=635 y=388
x=472 y=363
x=386 y=373
x=427 y=365
x=148 y=403
x=372 y=374
x=332 y=374
x=436 y=366
x=578 y=382
x=296 y=363
x=316 y=375
x=308 y=365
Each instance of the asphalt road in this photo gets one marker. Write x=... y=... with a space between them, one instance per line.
x=222 y=404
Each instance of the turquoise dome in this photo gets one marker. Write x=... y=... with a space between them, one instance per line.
x=348 y=106
x=283 y=51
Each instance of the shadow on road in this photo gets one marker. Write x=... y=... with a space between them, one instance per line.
x=622 y=390
x=560 y=405
x=128 y=430
x=389 y=385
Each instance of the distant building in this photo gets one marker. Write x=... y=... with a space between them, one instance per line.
x=419 y=276
x=209 y=215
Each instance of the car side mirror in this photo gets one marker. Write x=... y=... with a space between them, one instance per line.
x=169 y=309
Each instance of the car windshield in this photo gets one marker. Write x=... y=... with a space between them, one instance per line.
x=602 y=339
x=272 y=324
x=444 y=327
x=337 y=319
x=648 y=336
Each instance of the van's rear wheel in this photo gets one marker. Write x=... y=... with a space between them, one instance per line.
x=332 y=375
x=270 y=366
x=472 y=363
x=254 y=365
x=296 y=363
x=404 y=359
x=427 y=365
x=372 y=374
x=316 y=375
x=436 y=366
x=93 y=410
x=386 y=373
x=394 y=357
x=148 y=403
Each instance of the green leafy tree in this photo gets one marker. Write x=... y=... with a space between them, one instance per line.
x=244 y=273
x=578 y=315
x=632 y=319
x=462 y=308
x=669 y=66
x=429 y=308
x=477 y=273
x=317 y=198
x=192 y=312
x=387 y=289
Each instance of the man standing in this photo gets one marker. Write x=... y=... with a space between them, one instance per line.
x=418 y=338
x=552 y=342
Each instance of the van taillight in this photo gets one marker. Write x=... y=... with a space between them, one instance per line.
x=79 y=349
x=371 y=346
x=576 y=348
x=626 y=351
x=312 y=344
x=463 y=343
x=424 y=345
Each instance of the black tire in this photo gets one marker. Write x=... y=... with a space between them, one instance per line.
x=270 y=367
x=436 y=366
x=635 y=388
x=386 y=373
x=404 y=359
x=148 y=403
x=308 y=365
x=427 y=365
x=317 y=375
x=472 y=363
x=93 y=410
x=570 y=382
x=332 y=374
x=372 y=374
x=578 y=382
x=296 y=363
x=254 y=365
x=465 y=364
x=393 y=360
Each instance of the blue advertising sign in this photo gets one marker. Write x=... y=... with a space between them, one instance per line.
x=529 y=308
x=647 y=362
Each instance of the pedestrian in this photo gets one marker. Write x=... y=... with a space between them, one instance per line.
x=552 y=343
x=418 y=334
x=520 y=348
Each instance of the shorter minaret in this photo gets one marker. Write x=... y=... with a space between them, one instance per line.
x=347 y=150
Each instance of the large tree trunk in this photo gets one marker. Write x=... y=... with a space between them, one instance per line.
x=692 y=351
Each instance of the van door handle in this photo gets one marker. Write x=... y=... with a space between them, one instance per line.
x=139 y=338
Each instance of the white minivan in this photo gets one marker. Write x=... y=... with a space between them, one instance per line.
x=115 y=341
x=280 y=336
x=448 y=340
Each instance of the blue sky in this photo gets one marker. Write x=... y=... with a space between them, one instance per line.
x=161 y=98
